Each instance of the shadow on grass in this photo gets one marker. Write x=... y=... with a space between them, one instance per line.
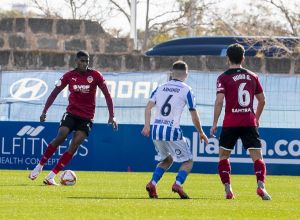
x=26 y=184
x=20 y=184
x=133 y=198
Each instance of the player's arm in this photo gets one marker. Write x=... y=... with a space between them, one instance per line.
x=49 y=102
x=260 y=106
x=197 y=124
x=217 y=111
x=109 y=104
x=146 y=129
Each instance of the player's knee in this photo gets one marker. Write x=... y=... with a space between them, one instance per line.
x=168 y=160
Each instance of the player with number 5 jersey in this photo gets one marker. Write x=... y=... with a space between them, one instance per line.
x=169 y=100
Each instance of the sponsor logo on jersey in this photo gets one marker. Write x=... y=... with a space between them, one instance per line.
x=81 y=88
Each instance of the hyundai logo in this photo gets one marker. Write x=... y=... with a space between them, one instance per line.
x=28 y=89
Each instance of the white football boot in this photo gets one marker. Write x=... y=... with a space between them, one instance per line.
x=35 y=172
x=49 y=180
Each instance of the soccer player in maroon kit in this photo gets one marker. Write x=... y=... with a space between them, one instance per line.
x=82 y=83
x=239 y=86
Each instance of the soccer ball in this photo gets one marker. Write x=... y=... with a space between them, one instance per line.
x=68 y=178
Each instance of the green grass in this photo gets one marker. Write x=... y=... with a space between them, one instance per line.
x=109 y=195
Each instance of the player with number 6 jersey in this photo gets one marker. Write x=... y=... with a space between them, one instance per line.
x=239 y=87
x=169 y=100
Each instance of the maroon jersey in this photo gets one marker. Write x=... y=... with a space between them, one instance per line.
x=239 y=87
x=82 y=97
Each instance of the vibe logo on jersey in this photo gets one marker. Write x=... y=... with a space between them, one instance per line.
x=81 y=88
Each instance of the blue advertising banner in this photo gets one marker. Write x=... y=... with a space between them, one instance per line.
x=22 y=144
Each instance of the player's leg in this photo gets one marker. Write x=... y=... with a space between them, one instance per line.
x=78 y=138
x=159 y=171
x=182 y=174
x=181 y=153
x=251 y=142
x=224 y=169
x=228 y=139
x=82 y=129
x=50 y=150
x=161 y=168
x=260 y=172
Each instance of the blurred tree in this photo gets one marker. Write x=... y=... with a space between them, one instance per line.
x=290 y=13
x=10 y=14
x=78 y=9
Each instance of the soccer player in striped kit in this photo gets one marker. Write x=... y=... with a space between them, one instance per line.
x=170 y=144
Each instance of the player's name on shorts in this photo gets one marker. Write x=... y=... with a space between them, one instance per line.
x=241 y=76
x=238 y=110
x=164 y=122
x=166 y=89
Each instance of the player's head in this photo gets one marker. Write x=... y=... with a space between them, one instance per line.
x=235 y=53
x=82 y=60
x=179 y=70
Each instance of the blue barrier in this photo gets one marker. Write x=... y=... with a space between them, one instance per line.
x=22 y=144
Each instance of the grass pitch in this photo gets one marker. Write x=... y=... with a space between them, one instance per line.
x=112 y=195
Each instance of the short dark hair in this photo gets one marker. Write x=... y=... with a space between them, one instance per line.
x=82 y=53
x=180 y=65
x=235 y=53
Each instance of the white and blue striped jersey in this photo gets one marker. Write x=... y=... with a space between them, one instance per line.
x=170 y=99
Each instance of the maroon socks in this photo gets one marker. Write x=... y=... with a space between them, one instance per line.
x=62 y=162
x=47 y=154
x=260 y=170
x=224 y=171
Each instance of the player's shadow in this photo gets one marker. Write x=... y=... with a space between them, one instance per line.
x=135 y=198
x=20 y=184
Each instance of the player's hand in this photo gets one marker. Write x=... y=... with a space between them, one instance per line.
x=203 y=137
x=146 y=131
x=43 y=117
x=213 y=130
x=113 y=122
x=257 y=123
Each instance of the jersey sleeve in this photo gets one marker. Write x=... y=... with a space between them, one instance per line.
x=62 y=82
x=220 y=85
x=99 y=79
x=102 y=85
x=190 y=100
x=153 y=96
x=59 y=86
x=258 y=88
